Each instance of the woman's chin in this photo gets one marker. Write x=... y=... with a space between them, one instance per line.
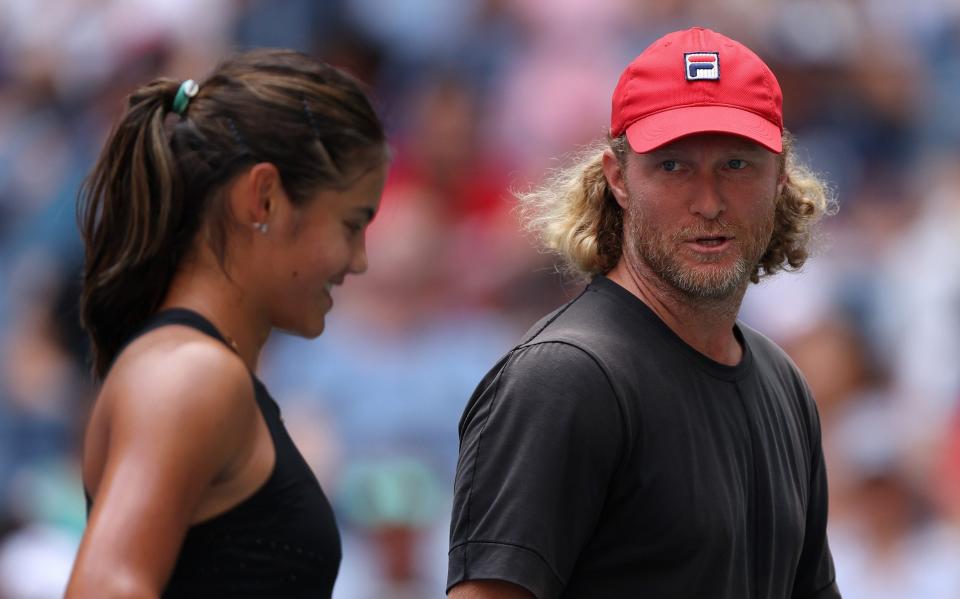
x=310 y=330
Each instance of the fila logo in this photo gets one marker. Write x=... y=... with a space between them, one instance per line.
x=701 y=66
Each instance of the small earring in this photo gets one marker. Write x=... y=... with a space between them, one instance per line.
x=262 y=227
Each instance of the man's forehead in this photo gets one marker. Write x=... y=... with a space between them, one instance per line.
x=713 y=141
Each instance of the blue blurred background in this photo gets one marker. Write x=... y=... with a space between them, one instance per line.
x=481 y=97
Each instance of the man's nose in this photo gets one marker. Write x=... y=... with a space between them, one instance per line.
x=708 y=200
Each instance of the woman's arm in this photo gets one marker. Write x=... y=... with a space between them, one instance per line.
x=176 y=420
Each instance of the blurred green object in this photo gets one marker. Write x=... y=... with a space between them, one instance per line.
x=388 y=492
x=50 y=492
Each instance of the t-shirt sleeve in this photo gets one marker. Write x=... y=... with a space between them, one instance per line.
x=816 y=578
x=539 y=443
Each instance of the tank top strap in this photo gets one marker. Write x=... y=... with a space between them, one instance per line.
x=181 y=316
x=185 y=317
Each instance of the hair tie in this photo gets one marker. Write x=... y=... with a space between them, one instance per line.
x=188 y=89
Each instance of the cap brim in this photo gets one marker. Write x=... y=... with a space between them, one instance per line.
x=661 y=128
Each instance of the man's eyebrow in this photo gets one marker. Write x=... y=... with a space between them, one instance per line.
x=748 y=149
x=662 y=152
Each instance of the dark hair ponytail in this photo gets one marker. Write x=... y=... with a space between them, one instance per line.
x=157 y=179
x=130 y=211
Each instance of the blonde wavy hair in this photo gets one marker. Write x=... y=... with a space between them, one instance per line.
x=573 y=213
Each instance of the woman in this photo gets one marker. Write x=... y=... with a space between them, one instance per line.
x=216 y=213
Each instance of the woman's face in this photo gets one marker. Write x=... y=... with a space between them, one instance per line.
x=311 y=248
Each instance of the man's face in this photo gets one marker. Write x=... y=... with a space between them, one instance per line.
x=700 y=212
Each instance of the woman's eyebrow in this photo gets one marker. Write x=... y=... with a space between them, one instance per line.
x=367 y=212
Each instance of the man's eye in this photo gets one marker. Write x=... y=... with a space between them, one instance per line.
x=737 y=164
x=669 y=165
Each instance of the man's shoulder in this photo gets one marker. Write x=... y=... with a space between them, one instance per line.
x=589 y=321
x=766 y=352
x=571 y=340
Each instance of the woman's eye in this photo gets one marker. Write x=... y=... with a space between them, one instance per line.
x=669 y=165
x=354 y=227
x=737 y=164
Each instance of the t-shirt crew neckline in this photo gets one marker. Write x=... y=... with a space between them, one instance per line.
x=602 y=284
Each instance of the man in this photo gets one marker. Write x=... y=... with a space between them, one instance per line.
x=640 y=442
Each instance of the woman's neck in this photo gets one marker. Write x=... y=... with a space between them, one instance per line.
x=206 y=289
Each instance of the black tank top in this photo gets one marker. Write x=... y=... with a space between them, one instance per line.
x=282 y=541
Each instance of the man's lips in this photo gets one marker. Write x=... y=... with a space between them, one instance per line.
x=710 y=243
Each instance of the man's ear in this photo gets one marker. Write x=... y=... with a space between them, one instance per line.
x=615 y=178
x=781 y=181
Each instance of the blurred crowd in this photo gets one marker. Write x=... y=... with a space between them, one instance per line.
x=480 y=97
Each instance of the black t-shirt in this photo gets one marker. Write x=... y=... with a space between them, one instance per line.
x=604 y=457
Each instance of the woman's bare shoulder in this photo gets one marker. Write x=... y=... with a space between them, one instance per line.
x=178 y=383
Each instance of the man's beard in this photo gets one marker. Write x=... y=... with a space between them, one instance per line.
x=660 y=252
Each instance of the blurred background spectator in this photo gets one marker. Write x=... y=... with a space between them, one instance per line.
x=480 y=97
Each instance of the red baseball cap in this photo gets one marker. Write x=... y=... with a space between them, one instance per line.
x=697 y=81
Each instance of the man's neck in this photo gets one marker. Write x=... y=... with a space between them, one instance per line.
x=706 y=325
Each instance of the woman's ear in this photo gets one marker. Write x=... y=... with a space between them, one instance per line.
x=253 y=196
x=615 y=178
